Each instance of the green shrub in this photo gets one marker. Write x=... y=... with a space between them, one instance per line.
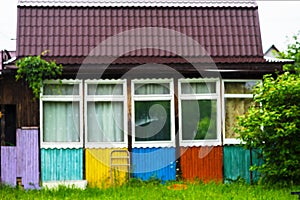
x=273 y=125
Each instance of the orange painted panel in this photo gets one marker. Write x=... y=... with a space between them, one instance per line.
x=202 y=163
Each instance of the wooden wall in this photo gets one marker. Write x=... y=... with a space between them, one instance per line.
x=18 y=93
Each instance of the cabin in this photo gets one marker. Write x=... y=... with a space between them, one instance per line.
x=149 y=90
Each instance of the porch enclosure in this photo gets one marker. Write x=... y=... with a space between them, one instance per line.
x=82 y=121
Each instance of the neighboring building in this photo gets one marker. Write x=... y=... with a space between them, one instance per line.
x=163 y=80
x=272 y=52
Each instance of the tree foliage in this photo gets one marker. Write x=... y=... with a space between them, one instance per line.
x=272 y=124
x=35 y=69
x=292 y=52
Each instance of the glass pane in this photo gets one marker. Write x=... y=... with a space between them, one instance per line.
x=61 y=122
x=199 y=119
x=105 y=122
x=105 y=89
x=64 y=89
x=198 y=88
x=239 y=87
x=152 y=121
x=152 y=88
x=234 y=108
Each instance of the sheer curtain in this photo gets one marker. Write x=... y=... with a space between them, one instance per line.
x=152 y=88
x=61 y=121
x=105 y=122
x=198 y=88
x=105 y=89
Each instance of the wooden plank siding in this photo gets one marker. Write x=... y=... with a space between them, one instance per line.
x=21 y=160
x=202 y=163
x=19 y=94
x=9 y=165
x=97 y=167
x=28 y=157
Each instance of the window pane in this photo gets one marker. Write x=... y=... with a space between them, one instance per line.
x=199 y=119
x=198 y=88
x=152 y=88
x=152 y=121
x=234 y=107
x=239 y=87
x=64 y=89
x=105 y=89
x=61 y=121
x=105 y=122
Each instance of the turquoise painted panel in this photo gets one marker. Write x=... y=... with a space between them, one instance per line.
x=237 y=163
x=61 y=164
x=256 y=160
x=157 y=163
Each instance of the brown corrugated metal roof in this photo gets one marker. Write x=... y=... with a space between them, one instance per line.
x=139 y=3
x=70 y=34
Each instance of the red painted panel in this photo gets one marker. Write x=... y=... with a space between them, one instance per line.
x=203 y=163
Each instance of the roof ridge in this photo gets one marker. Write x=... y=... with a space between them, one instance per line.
x=138 y=3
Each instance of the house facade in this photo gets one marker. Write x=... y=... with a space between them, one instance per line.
x=164 y=81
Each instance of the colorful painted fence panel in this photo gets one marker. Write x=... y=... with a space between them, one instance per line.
x=61 y=164
x=157 y=163
x=28 y=157
x=97 y=169
x=22 y=160
x=202 y=163
x=237 y=163
x=9 y=165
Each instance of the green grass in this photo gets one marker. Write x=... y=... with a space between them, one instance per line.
x=153 y=190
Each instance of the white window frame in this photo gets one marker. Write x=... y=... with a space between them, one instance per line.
x=107 y=98
x=238 y=96
x=62 y=98
x=153 y=97
x=207 y=96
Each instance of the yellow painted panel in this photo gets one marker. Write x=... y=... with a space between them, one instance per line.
x=97 y=168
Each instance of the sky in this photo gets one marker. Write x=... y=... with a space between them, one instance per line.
x=279 y=20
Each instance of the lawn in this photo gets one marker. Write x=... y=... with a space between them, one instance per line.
x=154 y=190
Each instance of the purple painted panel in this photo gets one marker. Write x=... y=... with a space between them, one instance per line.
x=28 y=157
x=8 y=165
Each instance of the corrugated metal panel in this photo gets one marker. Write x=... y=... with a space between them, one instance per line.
x=9 y=165
x=237 y=163
x=97 y=169
x=256 y=160
x=157 y=163
x=61 y=164
x=28 y=157
x=139 y=3
x=146 y=32
x=203 y=163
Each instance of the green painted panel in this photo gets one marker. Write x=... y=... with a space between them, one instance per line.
x=237 y=163
x=61 y=164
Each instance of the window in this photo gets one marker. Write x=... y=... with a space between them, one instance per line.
x=199 y=112
x=106 y=113
x=237 y=99
x=61 y=121
x=153 y=113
